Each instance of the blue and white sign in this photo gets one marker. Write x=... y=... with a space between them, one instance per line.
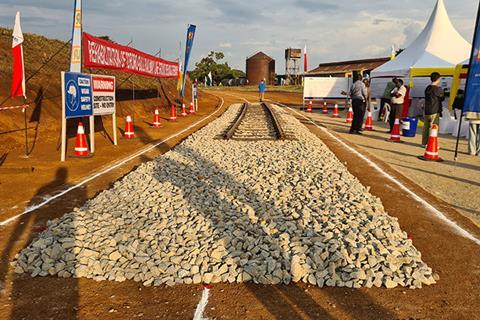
x=78 y=95
x=472 y=91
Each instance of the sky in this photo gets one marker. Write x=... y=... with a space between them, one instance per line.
x=332 y=30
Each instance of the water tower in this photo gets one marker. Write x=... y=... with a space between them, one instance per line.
x=292 y=65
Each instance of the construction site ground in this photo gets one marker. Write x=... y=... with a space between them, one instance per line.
x=449 y=187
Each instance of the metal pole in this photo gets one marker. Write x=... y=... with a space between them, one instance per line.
x=64 y=122
x=26 y=128
x=458 y=136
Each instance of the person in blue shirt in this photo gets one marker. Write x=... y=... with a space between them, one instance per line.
x=262 y=87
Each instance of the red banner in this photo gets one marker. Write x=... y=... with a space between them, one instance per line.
x=99 y=53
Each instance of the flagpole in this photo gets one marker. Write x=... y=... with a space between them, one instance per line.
x=26 y=127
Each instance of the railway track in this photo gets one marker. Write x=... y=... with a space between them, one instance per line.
x=256 y=121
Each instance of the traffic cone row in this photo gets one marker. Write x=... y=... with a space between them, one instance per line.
x=129 y=133
x=156 y=119
x=369 y=121
x=349 y=115
x=81 y=146
x=432 y=149
x=335 y=111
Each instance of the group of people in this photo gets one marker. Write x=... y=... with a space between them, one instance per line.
x=395 y=95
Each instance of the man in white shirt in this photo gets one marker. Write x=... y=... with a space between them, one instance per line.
x=398 y=98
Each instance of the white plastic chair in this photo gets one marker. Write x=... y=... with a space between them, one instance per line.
x=447 y=122
x=387 y=109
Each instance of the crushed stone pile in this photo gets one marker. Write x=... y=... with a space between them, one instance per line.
x=214 y=211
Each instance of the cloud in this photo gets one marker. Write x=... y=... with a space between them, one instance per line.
x=225 y=45
x=333 y=30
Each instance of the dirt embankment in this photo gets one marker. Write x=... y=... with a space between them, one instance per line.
x=44 y=94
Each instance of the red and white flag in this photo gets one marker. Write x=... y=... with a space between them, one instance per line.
x=305 y=59
x=18 y=74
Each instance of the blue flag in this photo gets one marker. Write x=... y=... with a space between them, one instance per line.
x=472 y=91
x=188 y=49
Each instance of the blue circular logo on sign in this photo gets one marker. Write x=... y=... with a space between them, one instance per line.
x=72 y=98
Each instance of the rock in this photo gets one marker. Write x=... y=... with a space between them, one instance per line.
x=114 y=256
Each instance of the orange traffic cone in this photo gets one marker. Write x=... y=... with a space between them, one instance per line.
x=129 y=134
x=184 y=111
x=349 y=115
x=335 y=111
x=325 y=109
x=173 y=113
x=156 y=119
x=81 y=146
x=395 y=137
x=310 y=109
x=369 y=121
x=431 y=152
x=192 y=108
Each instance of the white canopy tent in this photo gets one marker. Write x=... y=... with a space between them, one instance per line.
x=439 y=47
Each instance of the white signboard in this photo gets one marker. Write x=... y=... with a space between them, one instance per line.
x=316 y=88
x=103 y=89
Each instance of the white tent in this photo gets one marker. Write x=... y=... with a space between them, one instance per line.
x=439 y=47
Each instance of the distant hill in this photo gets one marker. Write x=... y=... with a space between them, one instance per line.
x=44 y=95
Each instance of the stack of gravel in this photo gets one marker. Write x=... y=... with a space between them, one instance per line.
x=213 y=211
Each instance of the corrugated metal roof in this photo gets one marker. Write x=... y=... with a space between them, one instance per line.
x=348 y=66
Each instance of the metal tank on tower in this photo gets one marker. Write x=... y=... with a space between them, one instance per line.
x=292 y=67
x=259 y=67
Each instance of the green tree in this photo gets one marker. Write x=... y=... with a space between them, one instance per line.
x=213 y=63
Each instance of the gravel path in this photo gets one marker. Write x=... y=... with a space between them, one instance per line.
x=233 y=211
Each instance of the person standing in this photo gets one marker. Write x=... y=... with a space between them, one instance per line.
x=386 y=97
x=434 y=96
x=397 y=100
x=262 y=87
x=358 y=94
x=474 y=137
x=368 y=98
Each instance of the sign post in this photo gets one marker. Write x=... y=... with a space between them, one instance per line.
x=85 y=95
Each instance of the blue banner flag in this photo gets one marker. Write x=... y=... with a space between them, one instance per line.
x=188 y=49
x=472 y=91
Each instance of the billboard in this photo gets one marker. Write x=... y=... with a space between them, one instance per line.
x=99 y=53
x=86 y=95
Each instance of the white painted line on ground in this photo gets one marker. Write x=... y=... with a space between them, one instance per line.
x=202 y=305
x=459 y=230
x=108 y=169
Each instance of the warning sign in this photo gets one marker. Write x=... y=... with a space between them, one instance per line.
x=103 y=89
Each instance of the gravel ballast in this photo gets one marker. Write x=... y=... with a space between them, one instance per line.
x=214 y=211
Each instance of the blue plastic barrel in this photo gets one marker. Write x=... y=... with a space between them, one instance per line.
x=409 y=127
